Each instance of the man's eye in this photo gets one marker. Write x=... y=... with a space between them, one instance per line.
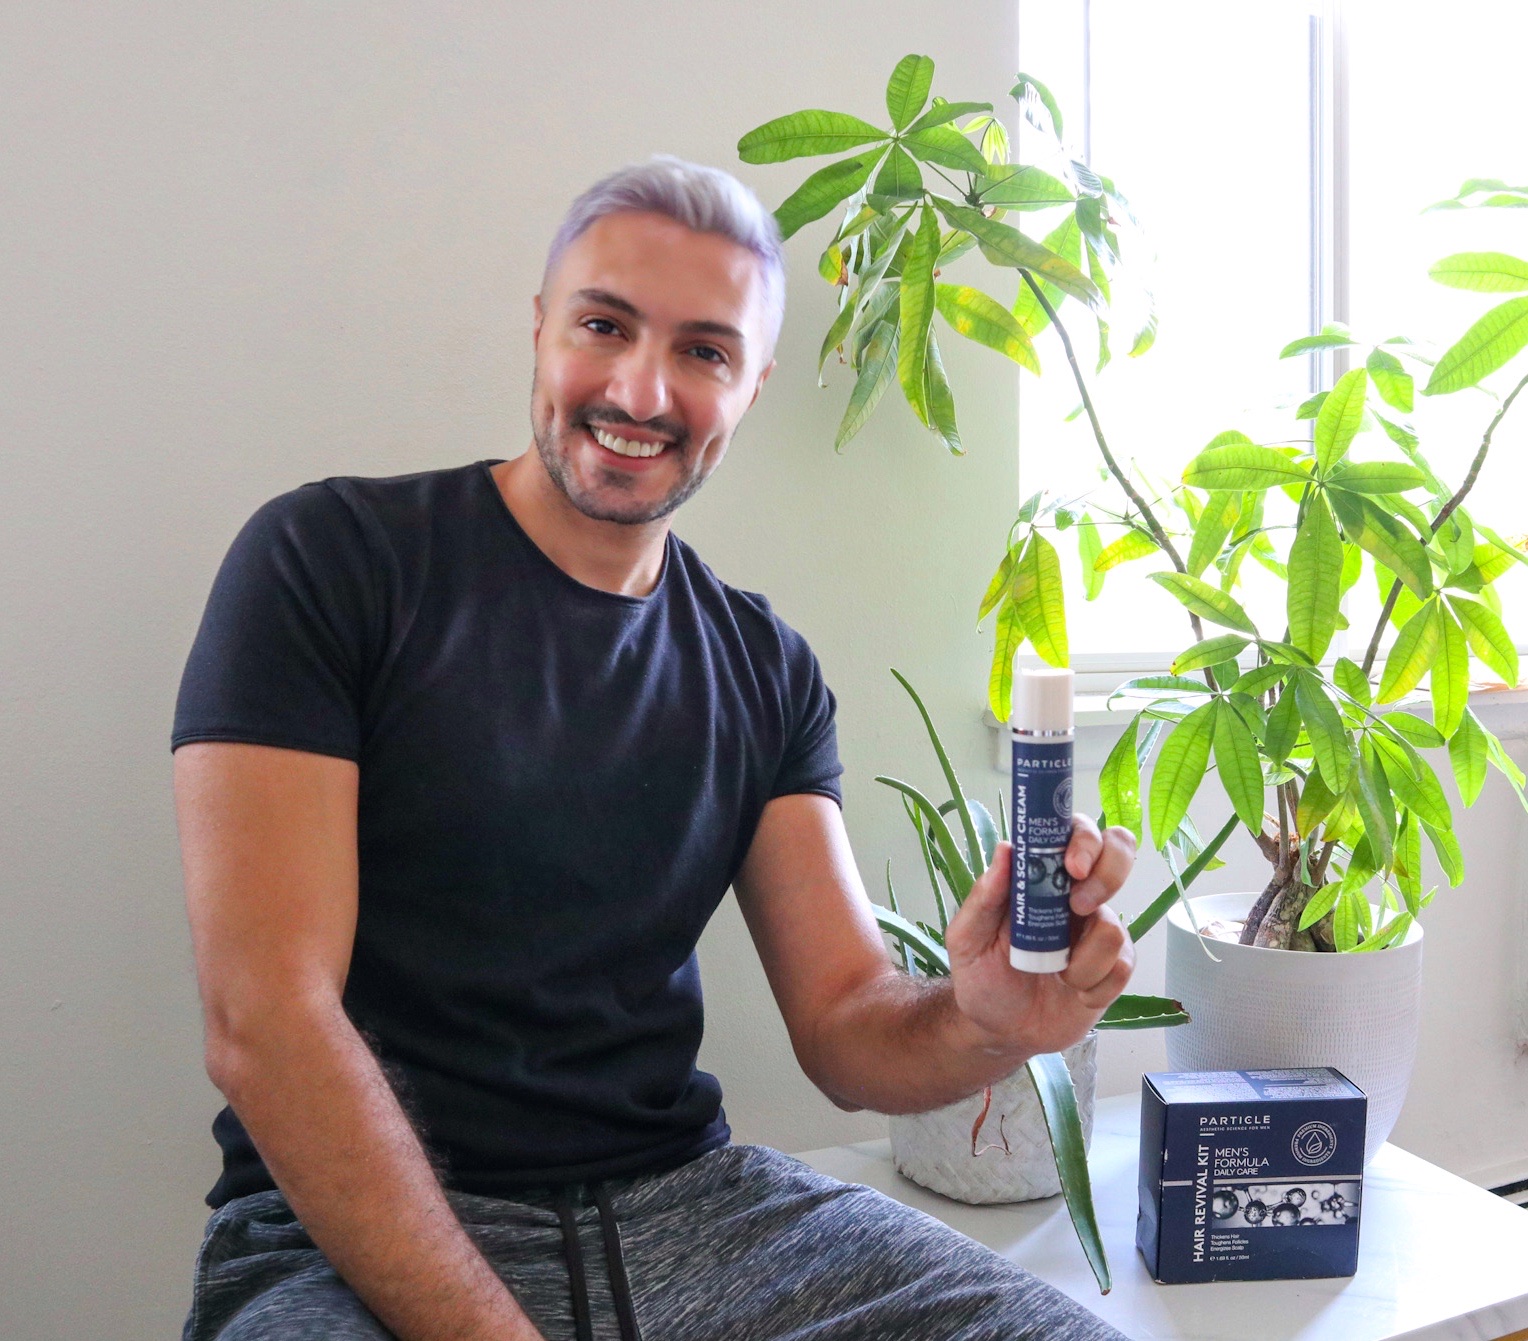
x=711 y=349
x=601 y=321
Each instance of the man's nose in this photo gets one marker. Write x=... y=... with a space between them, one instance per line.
x=639 y=380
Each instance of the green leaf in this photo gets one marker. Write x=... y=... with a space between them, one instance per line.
x=1241 y=773
x=1023 y=187
x=917 y=313
x=1132 y=545
x=1321 y=903
x=1089 y=547
x=1317 y=801
x=1450 y=856
x=1206 y=602
x=1283 y=725
x=1338 y=421
x=1334 y=335
x=802 y=134
x=1244 y=466
x=1037 y=592
x=1065 y=240
x=1210 y=652
x=899 y=178
x=946 y=147
x=1315 y=575
x=933 y=957
x=1142 y=1012
x=1413 y=780
x=1260 y=679
x=834 y=338
x=961 y=878
x=967 y=823
x=1058 y=1101
x=907 y=91
x=997 y=589
x=1374 y=804
x=1488 y=636
x=1376 y=477
x=1467 y=749
x=1119 y=782
x=820 y=192
x=983 y=319
x=1412 y=729
x=1032 y=96
x=1007 y=246
x=1385 y=537
x=1352 y=681
x=1491 y=342
x=879 y=363
x=1180 y=769
x=1390 y=379
x=1482 y=271
x=941 y=399
x=1412 y=656
x=1009 y=638
x=1450 y=673
x=1221 y=510
x=1328 y=738
x=1389 y=934
x=941 y=113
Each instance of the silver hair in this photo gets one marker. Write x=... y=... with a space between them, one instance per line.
x=705 y=199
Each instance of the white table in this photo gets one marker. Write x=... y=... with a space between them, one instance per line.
x=1438 y=1258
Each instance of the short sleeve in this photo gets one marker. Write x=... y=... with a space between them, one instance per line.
x=810 y=762
x=282 y=653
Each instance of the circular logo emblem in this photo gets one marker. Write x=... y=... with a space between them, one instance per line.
x=1314 y=1143
x=1063 y=799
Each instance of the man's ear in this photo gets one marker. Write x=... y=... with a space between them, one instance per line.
x=539 y=317
x=763 y=377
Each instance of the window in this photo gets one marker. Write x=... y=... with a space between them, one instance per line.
x=1278 y=156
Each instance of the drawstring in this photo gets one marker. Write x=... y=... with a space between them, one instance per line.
x=620 y=1287
x=582 y=1327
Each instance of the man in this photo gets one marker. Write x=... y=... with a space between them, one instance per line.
x=464 y=761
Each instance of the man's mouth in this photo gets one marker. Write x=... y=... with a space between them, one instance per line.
x=626 y=446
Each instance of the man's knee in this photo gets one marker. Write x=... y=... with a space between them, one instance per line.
x=314 y=1305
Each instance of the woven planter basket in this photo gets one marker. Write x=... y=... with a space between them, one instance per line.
x=1014 y=1162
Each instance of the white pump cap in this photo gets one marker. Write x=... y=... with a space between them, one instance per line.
x=1042 y=700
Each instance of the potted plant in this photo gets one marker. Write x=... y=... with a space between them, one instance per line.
x=1323 y=761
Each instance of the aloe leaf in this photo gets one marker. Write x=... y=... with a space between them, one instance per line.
x=1339 y=419
x=981 y=318
x=820 y=192
x=1037 y=591
x=1491 y=342
x=930 y=866
x=802 y=134
x=967 y=824
x=1143 y=1012
x=1156 y=910
x=961 y=878
x=1058 y=1101
x=1315 y=576
x=891 y=899
x=935 y=958
x=1180 y=769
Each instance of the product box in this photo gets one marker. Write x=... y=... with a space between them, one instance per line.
x=1250 y=1175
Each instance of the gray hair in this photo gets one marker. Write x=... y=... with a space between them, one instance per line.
x=705 y=199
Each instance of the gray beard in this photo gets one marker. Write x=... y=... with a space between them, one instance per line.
x=556 y=465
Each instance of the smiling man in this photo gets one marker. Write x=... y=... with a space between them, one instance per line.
x=464 y=762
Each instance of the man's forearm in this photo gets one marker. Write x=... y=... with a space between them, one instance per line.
x=314 y=1100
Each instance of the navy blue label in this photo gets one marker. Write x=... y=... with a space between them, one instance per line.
x=1041 y=825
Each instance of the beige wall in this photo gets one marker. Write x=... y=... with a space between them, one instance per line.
x=249 y=246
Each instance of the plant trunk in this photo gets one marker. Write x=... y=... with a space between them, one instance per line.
x=1273 y=923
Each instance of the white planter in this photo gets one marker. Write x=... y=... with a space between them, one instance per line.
x=934 y=1149
x=1257 y=1008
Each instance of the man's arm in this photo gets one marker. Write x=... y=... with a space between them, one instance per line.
x=268 y=843
x=870 y=1036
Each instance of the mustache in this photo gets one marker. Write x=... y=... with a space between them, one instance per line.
x=608 y=415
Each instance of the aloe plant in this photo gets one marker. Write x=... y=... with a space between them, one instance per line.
x=952 y=865
x=1334 y=743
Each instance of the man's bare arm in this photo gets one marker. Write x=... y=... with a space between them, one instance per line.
x=870 y=1036
x=268 y=843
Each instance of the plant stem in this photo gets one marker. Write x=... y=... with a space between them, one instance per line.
x=1444 y=513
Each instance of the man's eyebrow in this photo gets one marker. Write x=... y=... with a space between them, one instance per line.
x=607 y=299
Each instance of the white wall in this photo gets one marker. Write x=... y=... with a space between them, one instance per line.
x=249 y=246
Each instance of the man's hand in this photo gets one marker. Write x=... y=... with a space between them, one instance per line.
x=1044 y=1012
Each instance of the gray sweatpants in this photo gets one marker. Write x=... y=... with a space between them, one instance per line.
x=744 y=1243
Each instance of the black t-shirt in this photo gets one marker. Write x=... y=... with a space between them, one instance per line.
x=557 y=786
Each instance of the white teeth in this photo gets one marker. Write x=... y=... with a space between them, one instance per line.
x=622 y=447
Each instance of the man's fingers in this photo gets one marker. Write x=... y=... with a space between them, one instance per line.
x=1083 y=847
x=985 y=911
x=1101 y=961
x=1109 y=870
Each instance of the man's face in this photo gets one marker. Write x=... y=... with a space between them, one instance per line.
x=649 y=348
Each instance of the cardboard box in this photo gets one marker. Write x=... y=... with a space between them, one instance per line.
x=1250 y=1175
